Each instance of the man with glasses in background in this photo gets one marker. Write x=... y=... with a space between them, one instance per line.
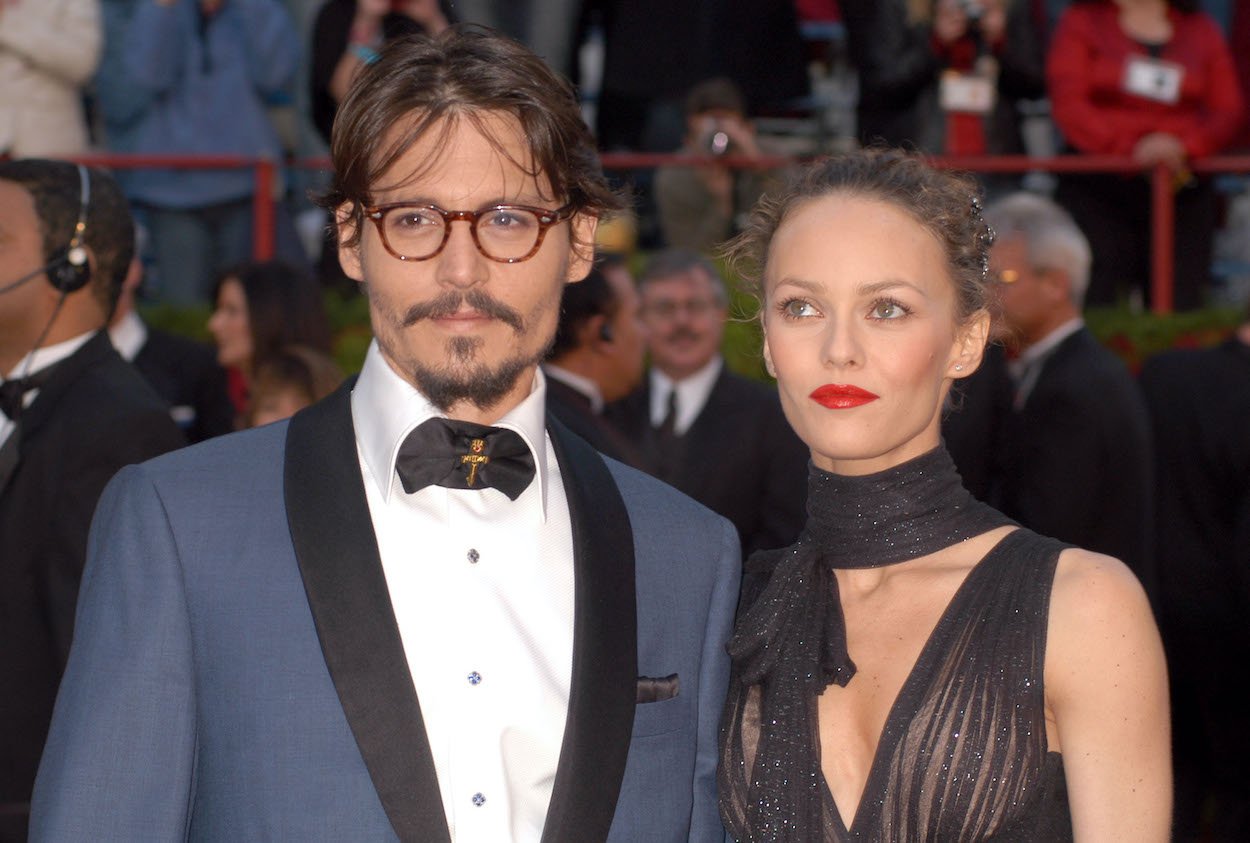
x=717 y=436
x=422 y=609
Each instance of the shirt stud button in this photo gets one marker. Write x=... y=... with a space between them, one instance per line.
x=475 y=678
x=473 y=556
x=479 y=800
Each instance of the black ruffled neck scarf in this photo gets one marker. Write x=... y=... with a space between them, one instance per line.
x=791 y=643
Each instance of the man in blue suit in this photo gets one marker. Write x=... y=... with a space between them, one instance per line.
x=421 y=610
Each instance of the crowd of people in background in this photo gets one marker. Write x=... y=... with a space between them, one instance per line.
x=1052 y=429
x=957 y=77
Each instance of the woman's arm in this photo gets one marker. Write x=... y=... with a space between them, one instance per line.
x=1106 y=688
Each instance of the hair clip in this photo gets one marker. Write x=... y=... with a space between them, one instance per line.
x=985 y=234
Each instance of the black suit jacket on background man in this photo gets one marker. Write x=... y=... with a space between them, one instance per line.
x=1077 y=458
x=1199 y=402
x=574 y=410
x=93 y=416
x=186 y=374
x=740 y=458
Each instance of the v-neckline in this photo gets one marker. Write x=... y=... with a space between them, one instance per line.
x=894 y=720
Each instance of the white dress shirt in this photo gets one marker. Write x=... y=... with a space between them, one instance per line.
x=40 y=358
x=128 y=336
x=692 y=394
x=482 y=589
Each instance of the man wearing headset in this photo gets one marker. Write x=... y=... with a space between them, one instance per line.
x=72 y=413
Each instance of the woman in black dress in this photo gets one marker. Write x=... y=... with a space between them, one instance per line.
x=918 y=667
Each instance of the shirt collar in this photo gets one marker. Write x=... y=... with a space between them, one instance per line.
x=1048 y=343
x=692 y=393
x=128 y=336
x=386 y=408
x=42 y=358
x=575 y=381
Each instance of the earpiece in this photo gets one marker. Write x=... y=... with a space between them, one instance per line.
x=605 y=332
x=69 y=269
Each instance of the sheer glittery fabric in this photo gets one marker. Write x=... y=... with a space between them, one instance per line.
x=963 y=752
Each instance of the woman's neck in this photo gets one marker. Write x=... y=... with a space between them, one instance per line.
x=1146 y=21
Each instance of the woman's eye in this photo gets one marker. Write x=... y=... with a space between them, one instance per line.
x=889 y=309
x=797 y=308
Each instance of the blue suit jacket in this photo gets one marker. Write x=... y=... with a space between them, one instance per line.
x=237 y=672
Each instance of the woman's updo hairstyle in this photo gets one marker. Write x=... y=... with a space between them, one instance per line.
x=946 y=203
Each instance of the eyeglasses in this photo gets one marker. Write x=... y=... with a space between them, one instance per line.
x=667 y=309
x=503 y=233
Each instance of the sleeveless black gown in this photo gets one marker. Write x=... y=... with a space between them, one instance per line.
x=963 y=754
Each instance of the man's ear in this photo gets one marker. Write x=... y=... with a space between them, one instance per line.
x=969 y=345
x=581 y=246
x=345 y=228
x=594 y=332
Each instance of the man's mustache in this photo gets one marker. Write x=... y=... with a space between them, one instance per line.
x=682 y=333
x=451 y=302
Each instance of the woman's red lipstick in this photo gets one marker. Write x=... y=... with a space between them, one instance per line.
x=841 y=396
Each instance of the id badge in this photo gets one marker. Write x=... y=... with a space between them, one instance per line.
x=968 y=93
x=1154 y=79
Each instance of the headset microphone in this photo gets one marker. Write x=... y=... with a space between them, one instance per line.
x=13 y=285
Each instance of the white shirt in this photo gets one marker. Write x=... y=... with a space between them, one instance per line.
x=692 y=394
x=482 y=589
x=40 y=358
x=128 y=336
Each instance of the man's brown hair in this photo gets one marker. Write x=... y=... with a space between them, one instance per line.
x=466 y=73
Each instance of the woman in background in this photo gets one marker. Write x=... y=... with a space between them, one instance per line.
x=261 y=307
x=917 y=666
x=1154 y=80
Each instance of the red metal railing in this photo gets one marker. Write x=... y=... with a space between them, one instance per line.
x=264 y=174
x=1162 y=207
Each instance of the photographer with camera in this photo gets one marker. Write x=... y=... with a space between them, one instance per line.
x=699 y=202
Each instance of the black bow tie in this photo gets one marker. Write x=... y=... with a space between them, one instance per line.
x=13 y=391
x=463 y=455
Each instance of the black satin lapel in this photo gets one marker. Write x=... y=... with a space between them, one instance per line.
x=605 y=648
x=338 y=557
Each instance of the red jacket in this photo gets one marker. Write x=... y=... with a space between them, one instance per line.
x=1085 y=73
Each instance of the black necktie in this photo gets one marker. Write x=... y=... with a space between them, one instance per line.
x=463 y=455
x=668 y=425
x=667 y=450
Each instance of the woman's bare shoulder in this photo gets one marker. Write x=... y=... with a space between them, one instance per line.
x=1099 y=616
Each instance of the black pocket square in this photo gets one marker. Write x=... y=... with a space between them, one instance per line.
x=657 y=688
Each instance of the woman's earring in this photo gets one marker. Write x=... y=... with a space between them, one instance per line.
x=959 y=367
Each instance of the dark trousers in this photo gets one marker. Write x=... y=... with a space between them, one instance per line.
x=1114 y=212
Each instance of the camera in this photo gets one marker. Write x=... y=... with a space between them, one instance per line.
x=714 y=139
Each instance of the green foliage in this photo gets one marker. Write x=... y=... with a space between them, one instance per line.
x=1136 y=336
